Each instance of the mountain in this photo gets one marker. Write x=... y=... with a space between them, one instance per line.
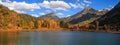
x=27 y=17
x=86 y=14
x=103 y=11
x=50 y=16
x=112 y=18
x=8 y=18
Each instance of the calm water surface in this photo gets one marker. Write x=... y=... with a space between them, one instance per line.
x=59 y=38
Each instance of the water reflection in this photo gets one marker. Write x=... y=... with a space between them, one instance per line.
x=59 y=38
x=8 y=38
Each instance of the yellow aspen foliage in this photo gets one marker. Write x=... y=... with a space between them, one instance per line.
x=31 y=24
x=40 y=22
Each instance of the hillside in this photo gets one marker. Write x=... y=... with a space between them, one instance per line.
x=8 y=18
x=50 y=16
x=111 y=18
x=27 y=17
x=84 y=15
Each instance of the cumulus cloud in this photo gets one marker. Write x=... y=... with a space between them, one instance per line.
x=35 y=15
x=57 y=5
x=76 y=5
x=48 y=11
x=88 y=2
x=45 y=4
x=41 y=13
x=7 y=0
x=20 y=6
x=53 y=5
x=60 y=14
x=82 y=4
x=20 y=11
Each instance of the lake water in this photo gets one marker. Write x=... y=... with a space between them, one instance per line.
x=59 y=38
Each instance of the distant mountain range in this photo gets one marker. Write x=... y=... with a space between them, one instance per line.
x=50 y=16
x=86 y=14
x=112 y=18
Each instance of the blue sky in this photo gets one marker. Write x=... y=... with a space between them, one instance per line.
x=62 y=8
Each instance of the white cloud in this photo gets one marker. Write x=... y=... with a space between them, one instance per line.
x=7 y=0
x=45 y=4
x=21 y=6
x=53 y=5
x=82 y=4
x=68 y=15
x=48 y=11
x=76 y=5
x=35 y=15
x=78 y=0
x=57 y=5
x=60 y=14
x=87 y=5
x=20 y=11
x=88 y=2
x=42 y=13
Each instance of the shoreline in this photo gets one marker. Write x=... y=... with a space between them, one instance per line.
x=56 y=30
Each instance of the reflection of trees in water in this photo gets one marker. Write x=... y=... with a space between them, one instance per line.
x=25 y=39
x=45 y=39
x=8 y=38
x=13 y=38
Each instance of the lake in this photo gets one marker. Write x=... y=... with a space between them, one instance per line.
x=59 y=38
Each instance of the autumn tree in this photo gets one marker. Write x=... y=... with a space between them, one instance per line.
x=1 y=21
x=23 y=24
x=0 y=26
x=46 y=24
x=31 y=25
x=53 y=24
x=97 y=26
x=12 y=20
x=76 y=26
x=63 y=24
x=39 y=23
x=86 y=25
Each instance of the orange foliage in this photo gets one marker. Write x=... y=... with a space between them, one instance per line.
x=53 y=24
x=31 y=24
x=47 y=24
x=12 y=20
x=86 y=25
x=40 y=22
x=0 y=26
x=1 y=16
